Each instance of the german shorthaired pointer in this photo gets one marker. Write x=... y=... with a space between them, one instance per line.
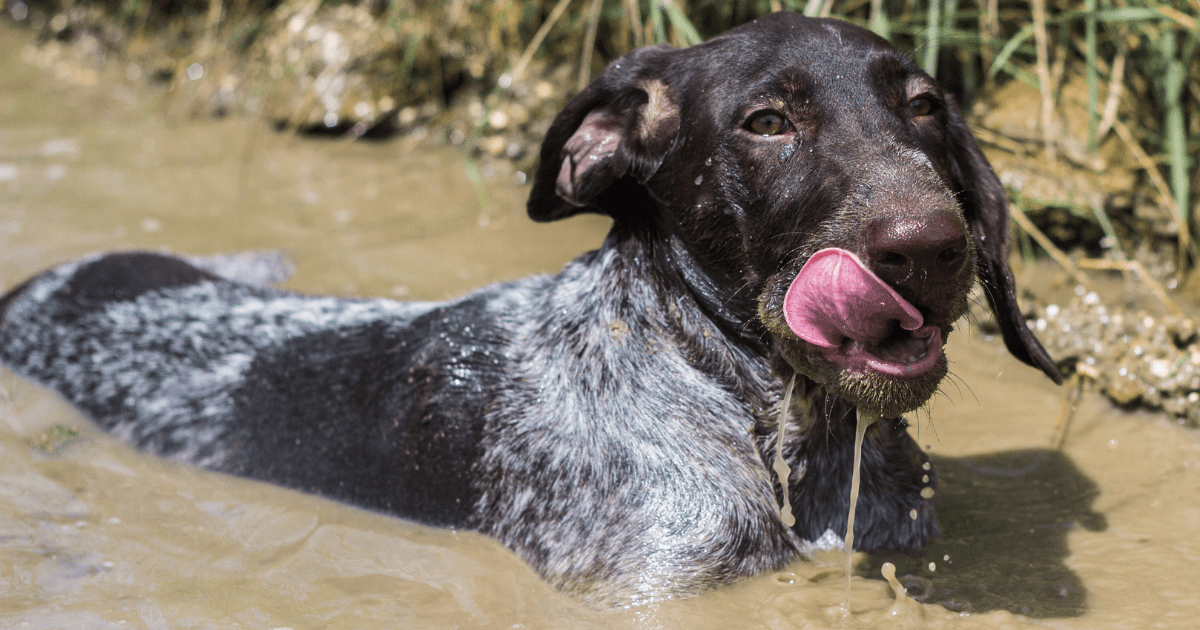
x=791 y=197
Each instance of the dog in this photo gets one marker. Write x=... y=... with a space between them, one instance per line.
x=793 y=198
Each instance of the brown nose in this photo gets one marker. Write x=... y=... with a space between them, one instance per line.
x=917 y=252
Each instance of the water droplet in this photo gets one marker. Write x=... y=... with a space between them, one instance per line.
x=699 y=179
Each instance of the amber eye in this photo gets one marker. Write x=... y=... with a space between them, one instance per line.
x=920 y=106
x=767 y=123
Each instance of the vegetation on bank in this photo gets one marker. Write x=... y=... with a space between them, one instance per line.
x=1133 y=62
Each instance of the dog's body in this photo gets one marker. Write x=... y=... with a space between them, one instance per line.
x=612 y=424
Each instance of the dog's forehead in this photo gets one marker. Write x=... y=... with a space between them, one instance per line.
x=784 y=28
x=790 y=54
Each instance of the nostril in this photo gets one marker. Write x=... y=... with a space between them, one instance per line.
x=894 y=267
x=903 y=251
x=951 y=258
x=891 y=260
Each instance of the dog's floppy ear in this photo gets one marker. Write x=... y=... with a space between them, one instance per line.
x=985 y=205
x=623 y=123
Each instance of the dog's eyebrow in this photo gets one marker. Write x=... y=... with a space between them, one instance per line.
x=781 y=85
x=919 y=83
x=896 y=80
x=657 y=109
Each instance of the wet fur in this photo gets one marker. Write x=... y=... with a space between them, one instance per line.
x=612 y=424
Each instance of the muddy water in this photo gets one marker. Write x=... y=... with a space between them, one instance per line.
x=1102 y=534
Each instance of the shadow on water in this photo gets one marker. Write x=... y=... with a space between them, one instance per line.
x=1005 y=519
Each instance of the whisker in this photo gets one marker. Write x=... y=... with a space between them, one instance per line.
x=960 y=383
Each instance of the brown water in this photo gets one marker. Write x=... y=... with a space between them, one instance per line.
x=1102 y=535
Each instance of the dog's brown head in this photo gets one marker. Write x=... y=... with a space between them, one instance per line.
x=821 y=183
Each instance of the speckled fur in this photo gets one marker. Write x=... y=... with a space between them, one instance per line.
x=612 y=424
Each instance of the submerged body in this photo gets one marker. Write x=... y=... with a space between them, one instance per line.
x=513 y=411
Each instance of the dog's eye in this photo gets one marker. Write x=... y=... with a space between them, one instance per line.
x=920 y=106
x=767 y=123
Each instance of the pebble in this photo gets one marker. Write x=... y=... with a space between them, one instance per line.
x=1133 y=357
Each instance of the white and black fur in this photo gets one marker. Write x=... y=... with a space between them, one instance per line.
x=612 y=424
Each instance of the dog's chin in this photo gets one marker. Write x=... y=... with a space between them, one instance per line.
x=888 y=388
x=890 y=396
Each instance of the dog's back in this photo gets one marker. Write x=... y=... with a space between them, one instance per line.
x=254 y=381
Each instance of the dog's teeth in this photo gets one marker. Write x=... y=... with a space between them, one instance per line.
x=912 y=358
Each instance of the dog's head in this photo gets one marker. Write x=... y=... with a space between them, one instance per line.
x=821 y=182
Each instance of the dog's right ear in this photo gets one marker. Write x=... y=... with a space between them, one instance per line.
x=985 y=205
x=623 y=123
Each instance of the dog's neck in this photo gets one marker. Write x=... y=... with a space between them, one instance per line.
x=653 y=277
x=669 y=260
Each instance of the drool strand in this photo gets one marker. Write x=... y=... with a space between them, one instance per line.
x=865 y=419
x=782 y=470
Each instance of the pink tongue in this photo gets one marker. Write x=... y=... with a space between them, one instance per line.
x=834 y=297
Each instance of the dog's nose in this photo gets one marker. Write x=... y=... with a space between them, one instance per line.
x=916 y=252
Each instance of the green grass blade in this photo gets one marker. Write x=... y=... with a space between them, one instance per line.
x=681 y=23
x=1106 y=225
x=1009 y=48
x=1092 y=75
x=1129 y=14
x=1176 y=134
x=657 y=24
x=932 y=38
x=415 y=37
x=880 y=24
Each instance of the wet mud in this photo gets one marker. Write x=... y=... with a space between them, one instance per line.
x=1089 y=525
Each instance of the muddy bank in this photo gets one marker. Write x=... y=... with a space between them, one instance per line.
x=450 y=72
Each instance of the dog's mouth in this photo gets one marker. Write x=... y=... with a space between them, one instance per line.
x=904 y=353
x=858 y=322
